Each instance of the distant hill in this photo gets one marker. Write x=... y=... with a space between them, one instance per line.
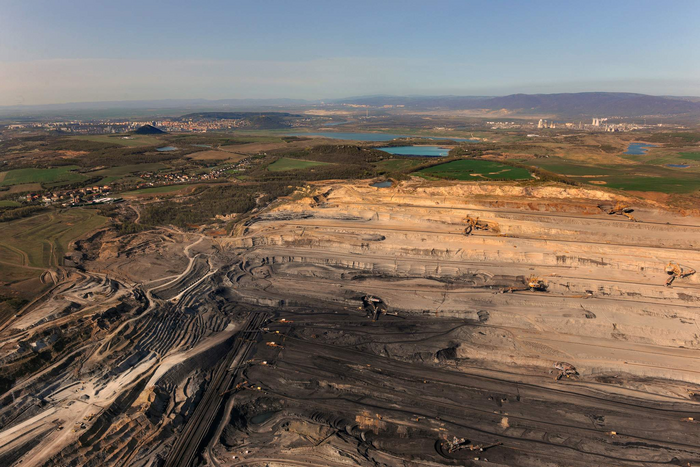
x=564 y=104
x=594 y=103
x=255 y=120
x=148 y=130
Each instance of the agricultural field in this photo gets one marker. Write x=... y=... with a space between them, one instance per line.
x=394 y=165
x=41 y=241
x=467 y=169
x=653 y=172
x=284 y=163
x=56 y=175
x=113 y=174
x=693 y=156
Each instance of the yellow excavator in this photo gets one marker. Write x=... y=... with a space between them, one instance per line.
x=621 y=209
x=473 y=223
x=677 y=272
x=457 y=444
x=536 y=283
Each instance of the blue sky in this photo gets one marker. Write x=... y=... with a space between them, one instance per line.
x=63 y=51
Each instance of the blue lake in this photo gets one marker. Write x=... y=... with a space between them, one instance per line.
x=423 y=151
x=166 y=149
x=638 y=149
x=384 y=184
x=679 y=166
x=376 y=136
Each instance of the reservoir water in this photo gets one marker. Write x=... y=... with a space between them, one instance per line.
x=383 y=184
x=421 y=151
x=638 y=149
x=166 y=149
x=376 y=136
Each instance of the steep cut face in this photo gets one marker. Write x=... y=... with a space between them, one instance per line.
x=601 y=276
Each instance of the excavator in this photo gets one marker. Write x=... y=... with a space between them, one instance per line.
x=457 y=444
x=565 y=369
x=620 y=209
x=677 y=272
x=473 y=223
x=536 y=283
x=373 y=306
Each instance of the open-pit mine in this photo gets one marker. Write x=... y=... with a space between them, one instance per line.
x=425 y=323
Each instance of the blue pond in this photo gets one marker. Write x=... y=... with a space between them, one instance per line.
x=638 y=149
x=166 y=148
x=422 y=151
x=384 y=184
x=375 y=136
x=680 y=166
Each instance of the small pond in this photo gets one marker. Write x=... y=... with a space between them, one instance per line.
x=419 y=151
x=638 y=149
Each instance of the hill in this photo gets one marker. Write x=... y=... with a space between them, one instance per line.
x=563 y=104
x=148 y=130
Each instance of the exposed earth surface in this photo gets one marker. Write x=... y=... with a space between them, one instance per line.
x=348 y=324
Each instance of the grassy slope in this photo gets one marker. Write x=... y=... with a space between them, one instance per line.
x=291 y=164
x=56 y=174
x=476 y=170
x=41 y=241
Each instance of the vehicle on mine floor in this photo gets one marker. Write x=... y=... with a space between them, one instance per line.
x=535 y=283
x=565 y=370
x=373 y=306
x=457 y=444
x=674 y=270
x=620 y=209
x=473 y=223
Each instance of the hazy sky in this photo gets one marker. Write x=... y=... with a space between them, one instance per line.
x=54 y=51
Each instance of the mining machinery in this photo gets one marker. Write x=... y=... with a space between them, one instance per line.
x=457 y=444
x=535 y=283
x=620 y=209
x=677 y=272
x=473 y=223
x=565 y=370
x=374 y=306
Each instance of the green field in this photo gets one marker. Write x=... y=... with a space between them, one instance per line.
x=54 y=175
x=660 y=184
x=292 y=164
x=467 y=169
x=564 y=167
x=156 y=190
x=393 y=165
x=693 y=156
x=135 y=140
x=6 y=203
x=41 y=241
x=113 y=174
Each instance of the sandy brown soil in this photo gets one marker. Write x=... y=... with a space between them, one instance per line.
x=263 y=348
